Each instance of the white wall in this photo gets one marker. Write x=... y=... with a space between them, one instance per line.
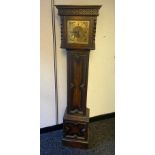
x=47 y=91
x=100 y=97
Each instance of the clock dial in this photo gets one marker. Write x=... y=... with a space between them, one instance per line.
x=77 y=31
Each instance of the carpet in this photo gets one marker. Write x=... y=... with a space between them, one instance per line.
x=102 y=141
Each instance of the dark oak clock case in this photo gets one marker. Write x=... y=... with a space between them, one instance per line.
x=78 y=28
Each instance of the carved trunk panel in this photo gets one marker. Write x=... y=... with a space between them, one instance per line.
x=75 y=130
x=77 y=81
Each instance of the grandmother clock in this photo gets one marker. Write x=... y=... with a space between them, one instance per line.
x=78 y=28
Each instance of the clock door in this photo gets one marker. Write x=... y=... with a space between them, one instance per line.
x=77 y=81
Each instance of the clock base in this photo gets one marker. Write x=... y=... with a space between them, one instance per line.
x=76 y=130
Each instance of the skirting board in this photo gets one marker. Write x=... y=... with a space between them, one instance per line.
x=92 y=119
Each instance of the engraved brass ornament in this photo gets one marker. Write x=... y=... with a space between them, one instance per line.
x=78 y=32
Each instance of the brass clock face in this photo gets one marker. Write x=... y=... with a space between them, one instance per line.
x=77 y=32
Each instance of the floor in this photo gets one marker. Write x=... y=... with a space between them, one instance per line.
x=102 y=141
